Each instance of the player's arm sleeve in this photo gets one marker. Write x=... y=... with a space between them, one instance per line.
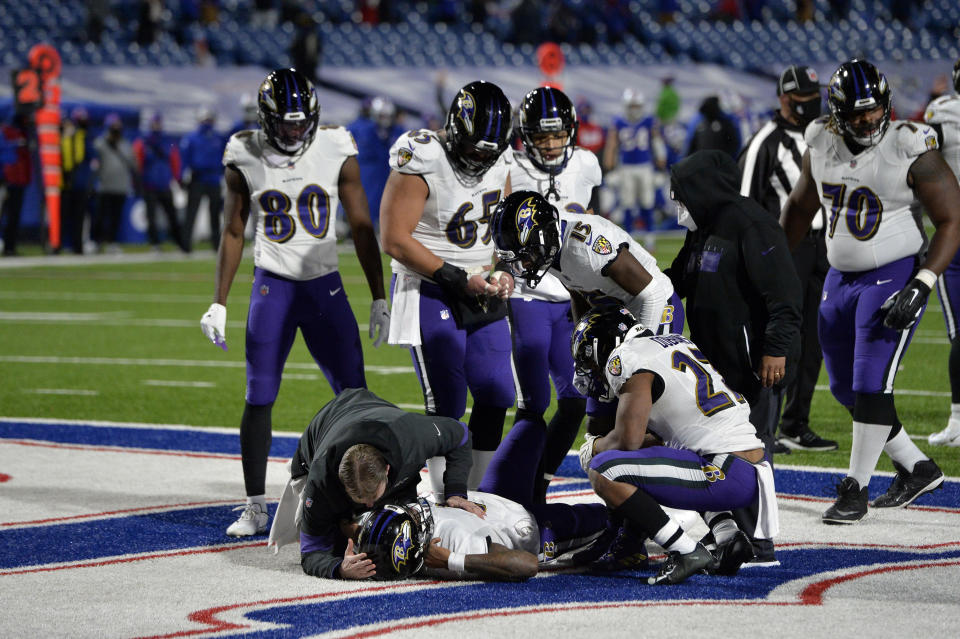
x=772 y=271
x=317 y=557
x=457 y=447
x=318 y=536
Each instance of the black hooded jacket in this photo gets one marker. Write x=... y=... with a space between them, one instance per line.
x=742 y=293
x=406 y=440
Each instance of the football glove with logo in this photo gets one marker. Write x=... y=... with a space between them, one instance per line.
x=213 y=324
x=902 y=309
x=379 y=322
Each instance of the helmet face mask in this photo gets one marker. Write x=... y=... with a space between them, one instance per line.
x=526 y=235
x=599 y=331
x=396 y=537
x=860 y=105
x=288 y=110
x=478 y=128
x=548 y=128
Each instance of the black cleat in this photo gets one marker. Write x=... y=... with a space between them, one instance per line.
x=851 y=504
x=678 y=567
x=731 y=555
x=626 y=552
x=614 y=549
x=907 y=486
x=806 y=439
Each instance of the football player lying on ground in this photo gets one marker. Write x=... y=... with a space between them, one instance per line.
x=682 y=438
x=401 y=538
x=360 y=450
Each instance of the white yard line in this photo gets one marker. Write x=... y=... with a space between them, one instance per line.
x=186 y=363
x=182 y=384
x=62 y=391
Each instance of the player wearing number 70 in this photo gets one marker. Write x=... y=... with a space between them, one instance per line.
x=873 y=176
x=291 y=174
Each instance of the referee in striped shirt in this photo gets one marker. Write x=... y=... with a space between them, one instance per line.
x=770 y=165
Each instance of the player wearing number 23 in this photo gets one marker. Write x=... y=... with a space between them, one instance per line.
x=291 y=174
x=873 y=176
x=682 y=439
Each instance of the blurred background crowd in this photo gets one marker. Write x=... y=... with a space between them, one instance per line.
x=152 y=89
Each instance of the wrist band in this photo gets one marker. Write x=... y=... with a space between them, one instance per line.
x=926 y=276
x=455 y=562
x=451 y=279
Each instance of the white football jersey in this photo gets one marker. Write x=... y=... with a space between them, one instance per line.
x=506 y=523
x=945 y=111
x=588 y=244
x=873 y=217
x=455 y=225
x=293 y=200
x=574 y=186
x=696 y=409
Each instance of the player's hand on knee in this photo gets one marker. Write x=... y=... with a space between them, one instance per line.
x=465 y=504
x=902 y=309
x=379 y=322
x=586 y=451
x=356 y=566
x=214 y=325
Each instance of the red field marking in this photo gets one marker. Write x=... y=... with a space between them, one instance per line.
x=812 y=595
x=208 y=616
x=4 y=477
x=824 y=500
x=127 y=560
x=125 y=511
x=139 y=451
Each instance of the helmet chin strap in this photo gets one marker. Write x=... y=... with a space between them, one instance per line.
x=552 y=189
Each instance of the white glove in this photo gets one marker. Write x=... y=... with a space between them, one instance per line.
x=379 y=320
x=581 y=383
x=214 y=324
x=586 y=451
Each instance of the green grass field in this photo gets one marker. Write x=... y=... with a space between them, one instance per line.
x=121 y=341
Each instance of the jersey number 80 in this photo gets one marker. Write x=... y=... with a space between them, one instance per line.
x=313 y=211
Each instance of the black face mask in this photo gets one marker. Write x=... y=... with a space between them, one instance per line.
x=806 y=111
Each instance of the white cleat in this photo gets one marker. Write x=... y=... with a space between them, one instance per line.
x=253 y=521
x=949 y=436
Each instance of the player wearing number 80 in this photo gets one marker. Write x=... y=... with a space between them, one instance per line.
x=291 y=175
x=873 y=175
x=682 y=439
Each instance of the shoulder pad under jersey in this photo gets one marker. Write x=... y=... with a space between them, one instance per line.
x=417 y=152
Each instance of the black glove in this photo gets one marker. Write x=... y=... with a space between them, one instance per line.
x=903 y=308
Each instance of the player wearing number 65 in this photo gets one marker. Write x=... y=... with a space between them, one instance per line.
x=291 y=174
x=873 y=176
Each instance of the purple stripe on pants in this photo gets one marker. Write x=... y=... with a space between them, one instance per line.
x=682 y=478
x=319 y=308
x=541 y=351
x=861 y=355
x=450 y=359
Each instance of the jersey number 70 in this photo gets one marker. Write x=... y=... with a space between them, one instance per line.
x=863 y=210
